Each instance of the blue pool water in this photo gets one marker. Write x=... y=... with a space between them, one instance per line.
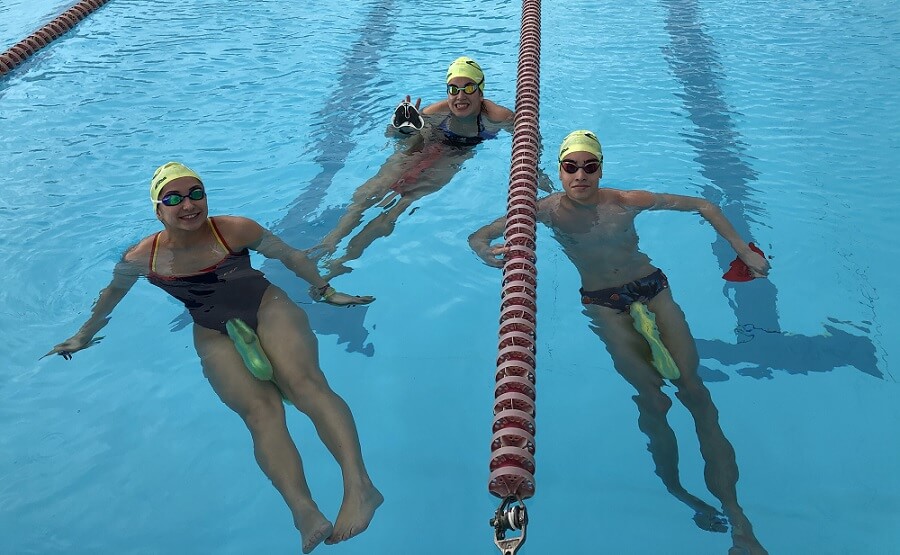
x=784 y=115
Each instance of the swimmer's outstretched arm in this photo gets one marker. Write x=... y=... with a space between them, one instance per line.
x=711 y=213
x=271 y=246
x=125 y=275
x=480 y=242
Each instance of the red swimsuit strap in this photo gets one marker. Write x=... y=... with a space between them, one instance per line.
x=216 y=233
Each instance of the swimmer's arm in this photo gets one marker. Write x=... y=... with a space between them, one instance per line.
x=295 y=260
x=712 y=214
x=439 y=107
x=125 y=274
x=497 y=113
x=271 y=246
x=480 y=242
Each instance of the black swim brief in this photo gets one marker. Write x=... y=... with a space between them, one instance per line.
x=620 y=298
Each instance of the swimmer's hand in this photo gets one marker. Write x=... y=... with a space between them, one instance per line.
x=328 y=294
x=759 y=266
x=493 y=255
x=409 y=99
x=408 y=129
x=544 y=182
x=73 y=345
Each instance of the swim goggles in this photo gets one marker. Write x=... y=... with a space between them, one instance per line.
x=470 y=88
x=589 y=167
x=174 y=199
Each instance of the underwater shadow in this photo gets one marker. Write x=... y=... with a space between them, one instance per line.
x=303 y=226
x=760 y=341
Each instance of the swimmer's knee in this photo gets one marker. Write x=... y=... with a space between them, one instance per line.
x=262 y=411
x=654 y=401
x=693 y=392
x=303 y=388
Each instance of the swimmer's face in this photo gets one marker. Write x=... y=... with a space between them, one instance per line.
x=462 y=103
x=582 y=185
x=183 y=204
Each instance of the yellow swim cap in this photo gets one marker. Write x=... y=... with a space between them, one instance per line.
x=581 y=141
x=166 y=173
x=466 y=67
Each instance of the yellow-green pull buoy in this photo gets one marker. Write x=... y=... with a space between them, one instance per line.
x=645 y=324
x=247 y=344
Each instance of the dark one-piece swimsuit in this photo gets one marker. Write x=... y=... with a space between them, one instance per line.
x=455 y=139
x=229 y=289
x=620 y=298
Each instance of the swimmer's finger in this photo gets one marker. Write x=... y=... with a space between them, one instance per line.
x=343 y=299
x=57 y=351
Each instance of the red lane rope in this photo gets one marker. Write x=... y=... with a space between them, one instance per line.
x=56 y=28
x=512 y=445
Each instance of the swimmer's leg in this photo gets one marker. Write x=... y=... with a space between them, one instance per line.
x=293 y=349
x=260 y=406
x=370 y=193
x=381 y=226
x=720 y=469
x=631 y=358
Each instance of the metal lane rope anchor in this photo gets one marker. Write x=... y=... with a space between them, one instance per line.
x=507 y=518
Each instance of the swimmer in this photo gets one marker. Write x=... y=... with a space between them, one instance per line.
x=595 y=228
x=426 y=160
x=204 y=262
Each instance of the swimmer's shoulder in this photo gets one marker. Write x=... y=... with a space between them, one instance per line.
x=137 y=257
x=547 y=206
x=239 y=232
x=636 y=198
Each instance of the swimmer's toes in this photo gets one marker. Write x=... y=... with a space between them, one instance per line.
x=711 y=522
x=317 y=536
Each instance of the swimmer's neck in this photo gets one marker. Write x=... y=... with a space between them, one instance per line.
x=595 y=198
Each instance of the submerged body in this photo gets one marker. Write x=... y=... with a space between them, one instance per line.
x=595 y=228
x=204 y=262
x=426 y=160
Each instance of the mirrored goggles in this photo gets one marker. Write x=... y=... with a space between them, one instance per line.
x=469 y=88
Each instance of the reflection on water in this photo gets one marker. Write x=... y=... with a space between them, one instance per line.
x=761 y=342
x=298 y=228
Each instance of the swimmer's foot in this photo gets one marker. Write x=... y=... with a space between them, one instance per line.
x=743 y=540
x=314 y=529
x=705 y=515
x=336 y=268
x=320 y=251
x=713 y=521
x=356 y=513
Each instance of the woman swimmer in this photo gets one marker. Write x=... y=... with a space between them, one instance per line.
x=205 y=263
x=429 y=159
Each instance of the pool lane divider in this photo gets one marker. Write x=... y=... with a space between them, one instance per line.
x=59 y=26
x=512 y=463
